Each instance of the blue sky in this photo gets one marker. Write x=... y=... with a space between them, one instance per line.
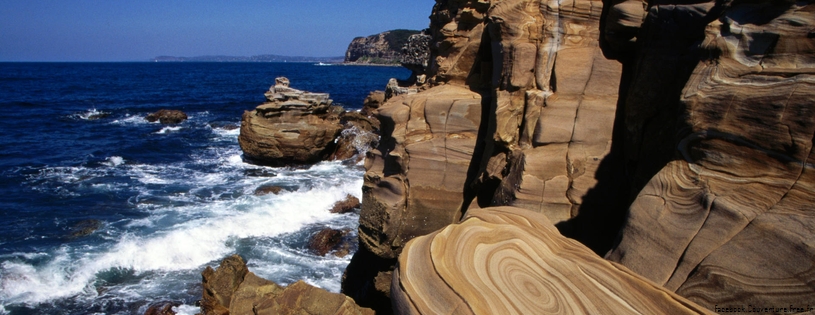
x=114 y=30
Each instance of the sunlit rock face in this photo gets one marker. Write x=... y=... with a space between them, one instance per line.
x=728 y=216
x=507 y=260
x=675 y=139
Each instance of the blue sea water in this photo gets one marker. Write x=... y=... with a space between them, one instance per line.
x=76 y=151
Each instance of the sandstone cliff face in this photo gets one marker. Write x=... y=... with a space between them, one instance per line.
x=728 y=218
x=675 y=136
x=382 y=48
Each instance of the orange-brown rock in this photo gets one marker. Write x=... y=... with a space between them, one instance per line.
x=232 y=289
x=347 y=205
x=508 y=260
x=728 y=218
x=293 y=127
x=419 y=167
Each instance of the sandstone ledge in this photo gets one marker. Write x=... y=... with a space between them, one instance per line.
x=508 y=260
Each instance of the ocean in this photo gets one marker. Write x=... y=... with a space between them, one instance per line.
x=106 y=213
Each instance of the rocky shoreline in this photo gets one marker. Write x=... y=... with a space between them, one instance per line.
x=583 y=157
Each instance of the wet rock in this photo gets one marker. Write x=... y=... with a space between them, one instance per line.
x=84 y=228
x=326 y=240
x=347 y=205
x=162 y=308
x=167 y=116
x=265 y=190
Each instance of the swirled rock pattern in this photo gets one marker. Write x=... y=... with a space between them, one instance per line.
x=729 y=219
x=508 y=260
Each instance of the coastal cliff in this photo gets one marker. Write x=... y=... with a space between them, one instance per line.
x=382 y=48
x=595 y=157
x=670 y=138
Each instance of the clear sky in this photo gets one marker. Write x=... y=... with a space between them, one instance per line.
x=138 y=30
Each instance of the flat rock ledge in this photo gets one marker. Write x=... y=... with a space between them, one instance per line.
x=508 y=260
x=233 y=289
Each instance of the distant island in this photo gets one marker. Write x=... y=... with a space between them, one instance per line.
x=257 y=58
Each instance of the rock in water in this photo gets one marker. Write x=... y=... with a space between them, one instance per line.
x=247 y=294
x=344 y=206
x=292 y=127
x=508 y=260
x=167 y=116
x=325 y=240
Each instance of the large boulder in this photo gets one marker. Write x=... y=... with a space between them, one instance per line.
x=293 y=127
x=232 y=289
x=508 y=260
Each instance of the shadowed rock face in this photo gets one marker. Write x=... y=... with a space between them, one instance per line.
x=729 y=217
x=508 y=260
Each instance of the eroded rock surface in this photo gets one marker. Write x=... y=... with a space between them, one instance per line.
x=508 y=260
x=298 y=127
x=728 y=218
x=232 y=289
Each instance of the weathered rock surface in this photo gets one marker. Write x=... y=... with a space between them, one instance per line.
x=680 y=139
x=728 y=218
x=419 y=167
x=232 y=289
x=508 y=260
x=382 y=48
x=298 y=127
x=347 y=205
x=416 y=54
x=328 y=240
x=167 y=116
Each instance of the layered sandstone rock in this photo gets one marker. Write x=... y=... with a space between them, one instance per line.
x=711 y=139
x=232 y=289
x=420 y=166
x=728 y=218
x=298 y=127
x=508 y=260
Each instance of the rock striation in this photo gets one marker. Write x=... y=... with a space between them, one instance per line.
x=724 y=214
x=508 y=260
x=382 y=48
x=672 y=137
x=299 y=127
x=233 y=289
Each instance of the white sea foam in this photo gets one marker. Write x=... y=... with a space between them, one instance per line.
x=168 y=129
x=91 y=114
x=186 y=238
x=114 y=161
x=130 y=120
x=185 y=309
